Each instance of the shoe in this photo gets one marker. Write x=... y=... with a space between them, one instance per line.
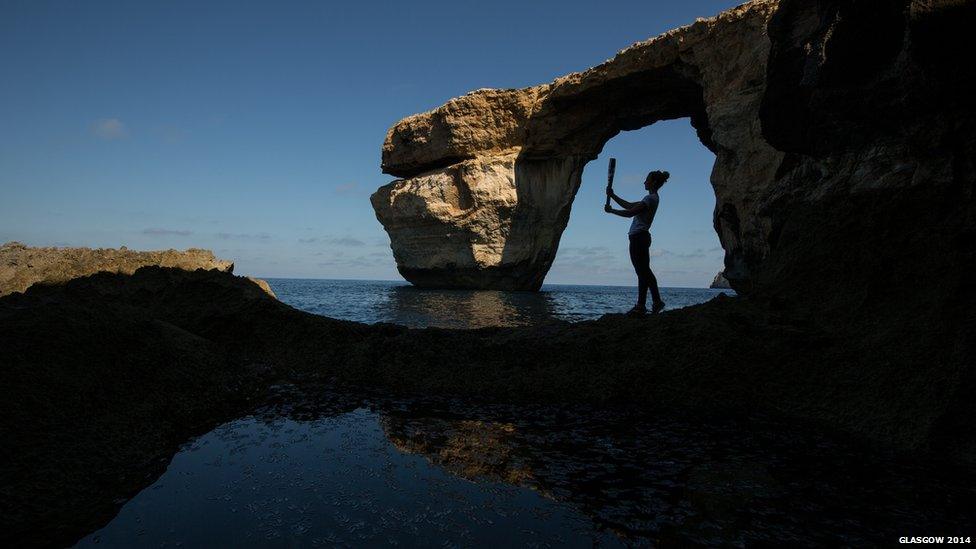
x=638 y=310
x=657 y=307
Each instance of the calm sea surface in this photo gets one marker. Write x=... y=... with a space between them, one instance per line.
x=400 y=303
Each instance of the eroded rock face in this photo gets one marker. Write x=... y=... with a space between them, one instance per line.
x=828 y=119
x=719 y=282
x=22 y=266
x=490 y=177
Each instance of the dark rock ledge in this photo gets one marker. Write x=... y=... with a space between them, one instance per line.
x=104 y=376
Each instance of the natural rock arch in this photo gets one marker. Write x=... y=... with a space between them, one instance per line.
x=816 y=111
x=490 y=177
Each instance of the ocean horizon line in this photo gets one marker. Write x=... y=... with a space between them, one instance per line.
x=406 y=283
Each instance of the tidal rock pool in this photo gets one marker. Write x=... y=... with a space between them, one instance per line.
x=328 y=482
x=339 y=471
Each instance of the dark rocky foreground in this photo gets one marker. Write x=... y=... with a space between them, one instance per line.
x=105 y=376
x=854 y=247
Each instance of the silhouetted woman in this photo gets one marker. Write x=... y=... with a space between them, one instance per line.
x=640 y=238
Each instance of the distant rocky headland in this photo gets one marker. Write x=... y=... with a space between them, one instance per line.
x=23 y=266
x=720 y=282
x=845 y=139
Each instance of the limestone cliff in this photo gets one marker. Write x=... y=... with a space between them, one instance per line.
x=490 y=177
x=813 y=110
x=845 y=181
x=22 y=266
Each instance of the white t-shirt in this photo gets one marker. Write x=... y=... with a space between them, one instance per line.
x=642 y=221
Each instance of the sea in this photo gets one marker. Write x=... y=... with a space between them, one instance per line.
x=373 y=301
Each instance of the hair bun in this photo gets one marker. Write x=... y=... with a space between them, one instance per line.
x=659 y=177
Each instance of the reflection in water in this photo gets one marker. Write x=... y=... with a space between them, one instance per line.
x=400 y=303
x=334 y=482
x=340 y=473
x=466 y=308
x=725 y=483
x=468 y=448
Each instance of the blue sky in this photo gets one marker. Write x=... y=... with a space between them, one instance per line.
x=254 y=128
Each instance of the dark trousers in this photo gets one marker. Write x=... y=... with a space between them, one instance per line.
x=640 y=256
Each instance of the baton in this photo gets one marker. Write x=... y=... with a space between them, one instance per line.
x=610 y=170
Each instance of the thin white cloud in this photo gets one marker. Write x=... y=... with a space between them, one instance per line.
x=348 y=241
x=345 y=188
x=359 y=261
x=243 y=236
x=697 y=253
x=109 y=129
x=156 y=231
x=333 y=240
x=172 y=134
